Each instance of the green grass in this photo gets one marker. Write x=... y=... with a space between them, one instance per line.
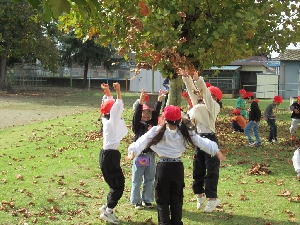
x=60 y=181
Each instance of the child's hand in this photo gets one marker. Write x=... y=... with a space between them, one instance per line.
x=142 y=96
x=130 y=155
x=182 y=72
x=104 y=86
x=116 y=86
x=220 y=156
x=161 y=93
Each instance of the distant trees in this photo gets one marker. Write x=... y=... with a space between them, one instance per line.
x=84 y=52
x=24 y=35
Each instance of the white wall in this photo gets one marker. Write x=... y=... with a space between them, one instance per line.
x=144 y=81
x=267 y=86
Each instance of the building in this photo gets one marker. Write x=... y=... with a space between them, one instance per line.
x=290 y=73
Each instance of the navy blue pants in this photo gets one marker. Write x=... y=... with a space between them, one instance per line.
x=109 y=161
x=273 y=129
x=206 y=171
x=236 y=127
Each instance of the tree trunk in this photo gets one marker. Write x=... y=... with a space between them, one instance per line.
x=175 y=91
x=3 y=71
x=86 y=68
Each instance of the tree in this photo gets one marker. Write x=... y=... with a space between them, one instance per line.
x=24 y=36
x=193 y=33
x=76 y=50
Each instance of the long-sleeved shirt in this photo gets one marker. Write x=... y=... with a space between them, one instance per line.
x=296 y=160
x=294 y=106
x=204 y=114
x=115 y=128
x=172 y=145
x=254 y=112
x=241 y=104
x=268 y=114
x=240 y=120
x=140 y=127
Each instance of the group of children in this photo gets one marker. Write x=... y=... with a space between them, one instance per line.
x=168 y=139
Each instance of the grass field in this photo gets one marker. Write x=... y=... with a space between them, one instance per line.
x=50 y=172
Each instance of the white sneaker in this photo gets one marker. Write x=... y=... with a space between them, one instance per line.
x=109 y=217
x=212 y=205
x=103 y=208
x=200 y=202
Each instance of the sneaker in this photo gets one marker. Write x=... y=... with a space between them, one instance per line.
x=139 y=205
x=109 y=217
x=148 y=205
x=251 y=144
x=103 y=208
x=292 y=137
x=200 y=202
x=258 y=145
x=212 y=205
x=275 y=141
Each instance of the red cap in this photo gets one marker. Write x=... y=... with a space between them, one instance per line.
x=106 y=106
x=278 y=99
x=236 y=111
x=146 y=97
x=145 y=107
x=242 y=91
x=185 y=94
x=248 y=94
x=256 y=100
x=208 y=84
x=216 y=92
x=172 y=113
x=298 y=97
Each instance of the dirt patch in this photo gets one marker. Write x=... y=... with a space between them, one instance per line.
x=26 y=107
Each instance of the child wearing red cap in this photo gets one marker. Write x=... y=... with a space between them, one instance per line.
x=254 y=120
x=114 y=129
x=205 y=167
x=186 y=97
x=169 y=142
x=241 y=103
x=270 y=117
x=295 y=108
x=238 y=122
x=143 y=120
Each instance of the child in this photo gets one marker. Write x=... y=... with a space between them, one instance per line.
x=186 y=97
x=146 y=99
x=114 y=129
x=238 y=122
x=254 y=120
x=270 y=117
x=169 y=142
x=241 y=103
x=295 y=108
x=142 y=121
x=205 y=168
x=296 y=162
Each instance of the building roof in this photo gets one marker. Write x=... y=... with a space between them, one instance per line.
x=249 y=63
x=225 y=68
x=290 y=54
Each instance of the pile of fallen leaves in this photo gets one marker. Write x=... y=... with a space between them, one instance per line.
x=259 y=169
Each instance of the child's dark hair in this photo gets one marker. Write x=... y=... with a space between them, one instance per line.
x=181 y=126
x=106 y=116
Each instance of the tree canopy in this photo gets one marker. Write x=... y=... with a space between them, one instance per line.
x=24 y=36
x=171 y=33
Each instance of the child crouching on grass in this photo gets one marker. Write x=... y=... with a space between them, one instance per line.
x=296 y=162
x=238 y=122
x=169 y=141
x=114 y=129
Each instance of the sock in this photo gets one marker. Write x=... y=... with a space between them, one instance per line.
x=109 y=210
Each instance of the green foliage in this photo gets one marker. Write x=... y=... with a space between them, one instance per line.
x=25 y=36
